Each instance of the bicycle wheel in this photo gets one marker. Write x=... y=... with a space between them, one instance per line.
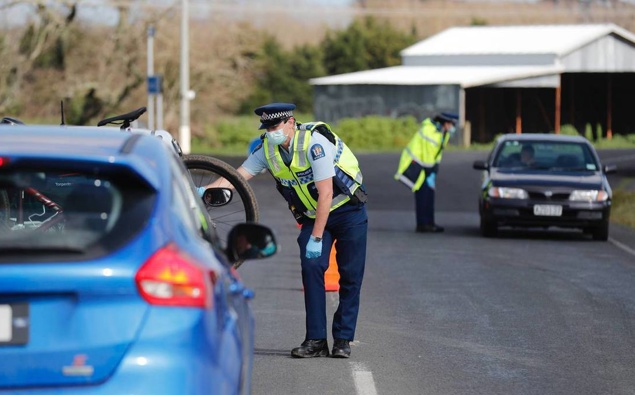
x=243 y=206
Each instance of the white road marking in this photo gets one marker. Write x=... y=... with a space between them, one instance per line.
x=622 y=246
x=364 y=383
x=363 y=378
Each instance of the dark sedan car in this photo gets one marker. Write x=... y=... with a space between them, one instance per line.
x=544 y=180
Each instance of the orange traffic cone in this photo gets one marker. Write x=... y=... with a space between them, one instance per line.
x=332 y=275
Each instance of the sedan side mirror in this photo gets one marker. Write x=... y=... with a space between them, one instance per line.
x=250 y=241
x=608 y=169
x=480 y=165
x=217 y=197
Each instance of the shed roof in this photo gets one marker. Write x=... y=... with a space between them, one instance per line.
x=464 y=76
x=519 y=56
x=537 y=39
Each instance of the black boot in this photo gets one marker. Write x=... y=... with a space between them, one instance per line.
x=341 y=348
x=311 y=348
x=429 y=228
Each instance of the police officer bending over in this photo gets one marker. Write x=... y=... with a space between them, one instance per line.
x=319 y=177
x=419 y=165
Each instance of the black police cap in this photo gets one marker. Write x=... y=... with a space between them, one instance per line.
x=447 y=117
x=273 y=113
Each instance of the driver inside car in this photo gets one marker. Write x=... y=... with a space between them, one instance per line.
x=527 y=156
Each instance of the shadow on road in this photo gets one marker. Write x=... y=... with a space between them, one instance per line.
x=515 y=233
x=542 y=234
x=270 y=352
x=281 y=289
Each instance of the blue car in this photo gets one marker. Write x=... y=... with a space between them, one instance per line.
x=112 y=280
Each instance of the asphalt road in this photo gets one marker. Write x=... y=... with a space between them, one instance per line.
x=530 y=312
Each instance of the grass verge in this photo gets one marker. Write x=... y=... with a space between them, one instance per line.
x=623 y=209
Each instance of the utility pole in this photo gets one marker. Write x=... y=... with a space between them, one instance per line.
x=186 y=94
x=150 y=74
x=155 y=87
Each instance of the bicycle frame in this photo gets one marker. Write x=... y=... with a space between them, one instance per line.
x=56 y=218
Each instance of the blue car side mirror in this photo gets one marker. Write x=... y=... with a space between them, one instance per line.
x=217 y=197
x=250 y=241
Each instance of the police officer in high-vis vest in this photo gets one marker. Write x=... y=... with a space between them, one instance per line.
x=319 y=177
x=419 y=164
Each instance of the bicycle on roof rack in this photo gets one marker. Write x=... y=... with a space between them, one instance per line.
x=225 y=212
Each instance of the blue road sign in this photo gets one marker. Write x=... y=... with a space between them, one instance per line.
x=155 y=84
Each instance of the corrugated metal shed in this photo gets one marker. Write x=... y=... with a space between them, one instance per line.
x=464 y=76
x=542 y=39
x=578 y=74
x=473 y=56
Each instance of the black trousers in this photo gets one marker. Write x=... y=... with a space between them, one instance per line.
x=348 y=226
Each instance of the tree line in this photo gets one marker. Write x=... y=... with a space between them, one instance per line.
x=99 y=70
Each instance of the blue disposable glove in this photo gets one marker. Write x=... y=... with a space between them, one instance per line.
x=313 y=248
x=430 y=179
x=269 y=249
x=201 y=191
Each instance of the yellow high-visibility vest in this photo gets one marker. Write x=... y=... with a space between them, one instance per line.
x=423 y=152
x=297 y=179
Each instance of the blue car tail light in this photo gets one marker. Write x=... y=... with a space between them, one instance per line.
x=172 y=278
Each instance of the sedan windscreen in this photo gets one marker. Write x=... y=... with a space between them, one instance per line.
x=545 y=155
x=46 y=212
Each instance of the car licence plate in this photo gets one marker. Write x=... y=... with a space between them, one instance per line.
x=6 y=323
x=14 y=324
x=548 y=210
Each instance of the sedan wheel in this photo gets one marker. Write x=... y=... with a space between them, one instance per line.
x=601 y=233
x=488 y=228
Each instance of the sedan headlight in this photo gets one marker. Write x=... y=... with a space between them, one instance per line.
x=589 y=195
x=507 y=193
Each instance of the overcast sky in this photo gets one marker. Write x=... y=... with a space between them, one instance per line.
x=98 y=11
x=323 y=10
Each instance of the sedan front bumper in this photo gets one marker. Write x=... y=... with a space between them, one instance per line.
x=522 y=212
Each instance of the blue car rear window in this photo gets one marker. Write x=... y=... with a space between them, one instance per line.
x=48 y=213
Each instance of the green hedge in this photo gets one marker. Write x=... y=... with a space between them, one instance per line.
x=231 y=136
x=373 y=133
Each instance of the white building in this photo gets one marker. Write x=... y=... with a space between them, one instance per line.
x=499 y=79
